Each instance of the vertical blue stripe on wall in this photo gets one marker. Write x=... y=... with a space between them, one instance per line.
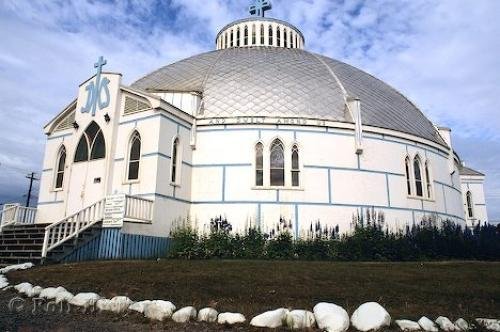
x=296 y=221
x=111 y=243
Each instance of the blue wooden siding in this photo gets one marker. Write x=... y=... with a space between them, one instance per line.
x=111 y=243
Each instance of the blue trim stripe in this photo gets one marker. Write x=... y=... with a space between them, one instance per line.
x=148 y=117
x=296 y=221
x=50 y=202
x=331 y=132
x=224 y=183
x=353 y=169
x=154 y=154
x=58 y=136
x=47 y=170
x=388 y=190
x=448 y=186
x=221 y=165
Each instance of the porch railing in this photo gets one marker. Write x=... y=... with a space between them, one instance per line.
x=15 y=214
x=69 y=227
x=138 y=209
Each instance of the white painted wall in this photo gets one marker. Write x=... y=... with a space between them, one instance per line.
x=474 y=184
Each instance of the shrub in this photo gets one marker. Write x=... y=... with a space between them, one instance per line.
x=370 y=241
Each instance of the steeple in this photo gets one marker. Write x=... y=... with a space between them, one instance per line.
x=259 y=30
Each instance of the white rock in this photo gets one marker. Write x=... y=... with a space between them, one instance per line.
x=35 y=291
x=208 y=315
x=16 y=267
x=370 y=316
x=300 y=319
x=84 y=299
x=408 y=325
x=445 y=324
x=24 y=287
x=50 y=293
x=118 y=304
x=230 y=318
x=184 y=315
x=270 y=319
x=64 y=296
x=159 y=310
x=3 y=281
x=427 y=325
x=489 y=324
x=331 y=317
x=139 y=306
x=462 y=324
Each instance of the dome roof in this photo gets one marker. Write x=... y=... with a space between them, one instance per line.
x=281 y=82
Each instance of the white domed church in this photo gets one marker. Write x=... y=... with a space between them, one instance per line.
x=257 y=131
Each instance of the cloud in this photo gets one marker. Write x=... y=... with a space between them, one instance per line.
x=443 y=55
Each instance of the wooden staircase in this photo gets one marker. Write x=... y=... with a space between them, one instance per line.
x=24 y=243
x=21 y=244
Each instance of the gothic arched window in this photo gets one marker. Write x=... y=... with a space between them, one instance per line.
x=417 y=170
x=259 y=164
x=277 y=163
x=61 y=164
x=291 y=39
x=254 y=35
x=285 y=35
x=270 y=35
x=225 y=40
x=174 y=168
x=428 y=180
x=278 y=36
x=92 y=140
x=262 y=34
x=470 y=209
x=231 y=39
x=134 y=156
x=238 y=37
x=295 y=166
x=408 y=178
x=245 y=34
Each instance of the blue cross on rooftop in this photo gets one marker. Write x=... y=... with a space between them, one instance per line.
x=260 y=7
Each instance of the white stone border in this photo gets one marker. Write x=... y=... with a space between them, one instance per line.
x=369 y=316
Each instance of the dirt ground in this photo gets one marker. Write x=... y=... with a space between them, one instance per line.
x=406 y=290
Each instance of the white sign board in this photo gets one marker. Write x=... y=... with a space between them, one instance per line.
x=114 y=210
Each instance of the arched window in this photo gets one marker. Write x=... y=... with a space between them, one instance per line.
x=285 y=35
x=259 y=164
x=174 y=170
x=408 y=179
x=61 y=164
x=254 y=35
x=470 y=209
x=238 y=37
x=134 y=157
x=277 y=163
x=231 y=39
x=262 y=38
x=428 y=180
x=290 y=39
x=278 y=36
x=270 y=31
x=417 y=170
x=295 y=166
x=92 y=140
x=225 y=40
x=296 y=40
x=245 y=34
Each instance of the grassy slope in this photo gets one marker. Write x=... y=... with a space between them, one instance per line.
x=407 y=290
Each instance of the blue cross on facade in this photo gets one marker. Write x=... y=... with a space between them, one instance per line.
x=95 y=89
x=260 y=7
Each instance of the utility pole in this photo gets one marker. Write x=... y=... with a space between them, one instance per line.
x=32 y=178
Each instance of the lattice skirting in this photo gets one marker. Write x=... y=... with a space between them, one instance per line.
x=111 y=243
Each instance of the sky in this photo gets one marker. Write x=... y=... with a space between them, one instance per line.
x=444 y=55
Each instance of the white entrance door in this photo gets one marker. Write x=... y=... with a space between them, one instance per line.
x=88 y=171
